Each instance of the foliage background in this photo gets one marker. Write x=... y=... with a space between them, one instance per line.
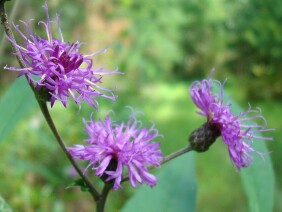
x=161 y=46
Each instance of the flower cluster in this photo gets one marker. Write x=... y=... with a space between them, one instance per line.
x=237 y=131
x=111 y=147
x=57 y=67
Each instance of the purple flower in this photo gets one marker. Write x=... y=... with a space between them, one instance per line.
x=57 y=66
x=237 y=131
x=111 y=147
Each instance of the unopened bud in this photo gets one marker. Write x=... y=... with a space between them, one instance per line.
x=43 y=94
x=203 y=137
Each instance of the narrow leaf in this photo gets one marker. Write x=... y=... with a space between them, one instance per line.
x=15 y=104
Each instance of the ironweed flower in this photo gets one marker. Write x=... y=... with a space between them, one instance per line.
x=237 y=131
x=57 y=67
x=112 y=146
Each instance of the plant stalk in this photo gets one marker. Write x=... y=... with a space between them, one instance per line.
x=102 y=200
x=44 y=109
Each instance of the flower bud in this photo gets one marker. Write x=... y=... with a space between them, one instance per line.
x=203 y=137
x=43 y=94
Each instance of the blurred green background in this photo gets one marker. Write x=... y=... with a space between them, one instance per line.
x=161 y=46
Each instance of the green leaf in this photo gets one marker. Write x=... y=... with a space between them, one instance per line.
x=81 y=183
x=258 y=181
x=175 y=191
x=4 y=207
x=258 y=178
x=15 y=104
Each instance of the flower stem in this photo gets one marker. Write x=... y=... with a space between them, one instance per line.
x=4 y=21
x=13 y=12
x=95 y=194
x=169 y=157
x=174 y=155
x=102 y=200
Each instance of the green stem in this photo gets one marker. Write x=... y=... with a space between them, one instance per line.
x=174 y=155
x=102 y=200
x=95 y=194
x=4 y=21
x=168 y=158
x=13 y=12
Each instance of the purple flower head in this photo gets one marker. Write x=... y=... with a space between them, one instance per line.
x=57 y=66
x=112 y=146
x=237 y=131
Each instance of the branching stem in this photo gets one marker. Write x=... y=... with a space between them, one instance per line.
x=44 y=109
